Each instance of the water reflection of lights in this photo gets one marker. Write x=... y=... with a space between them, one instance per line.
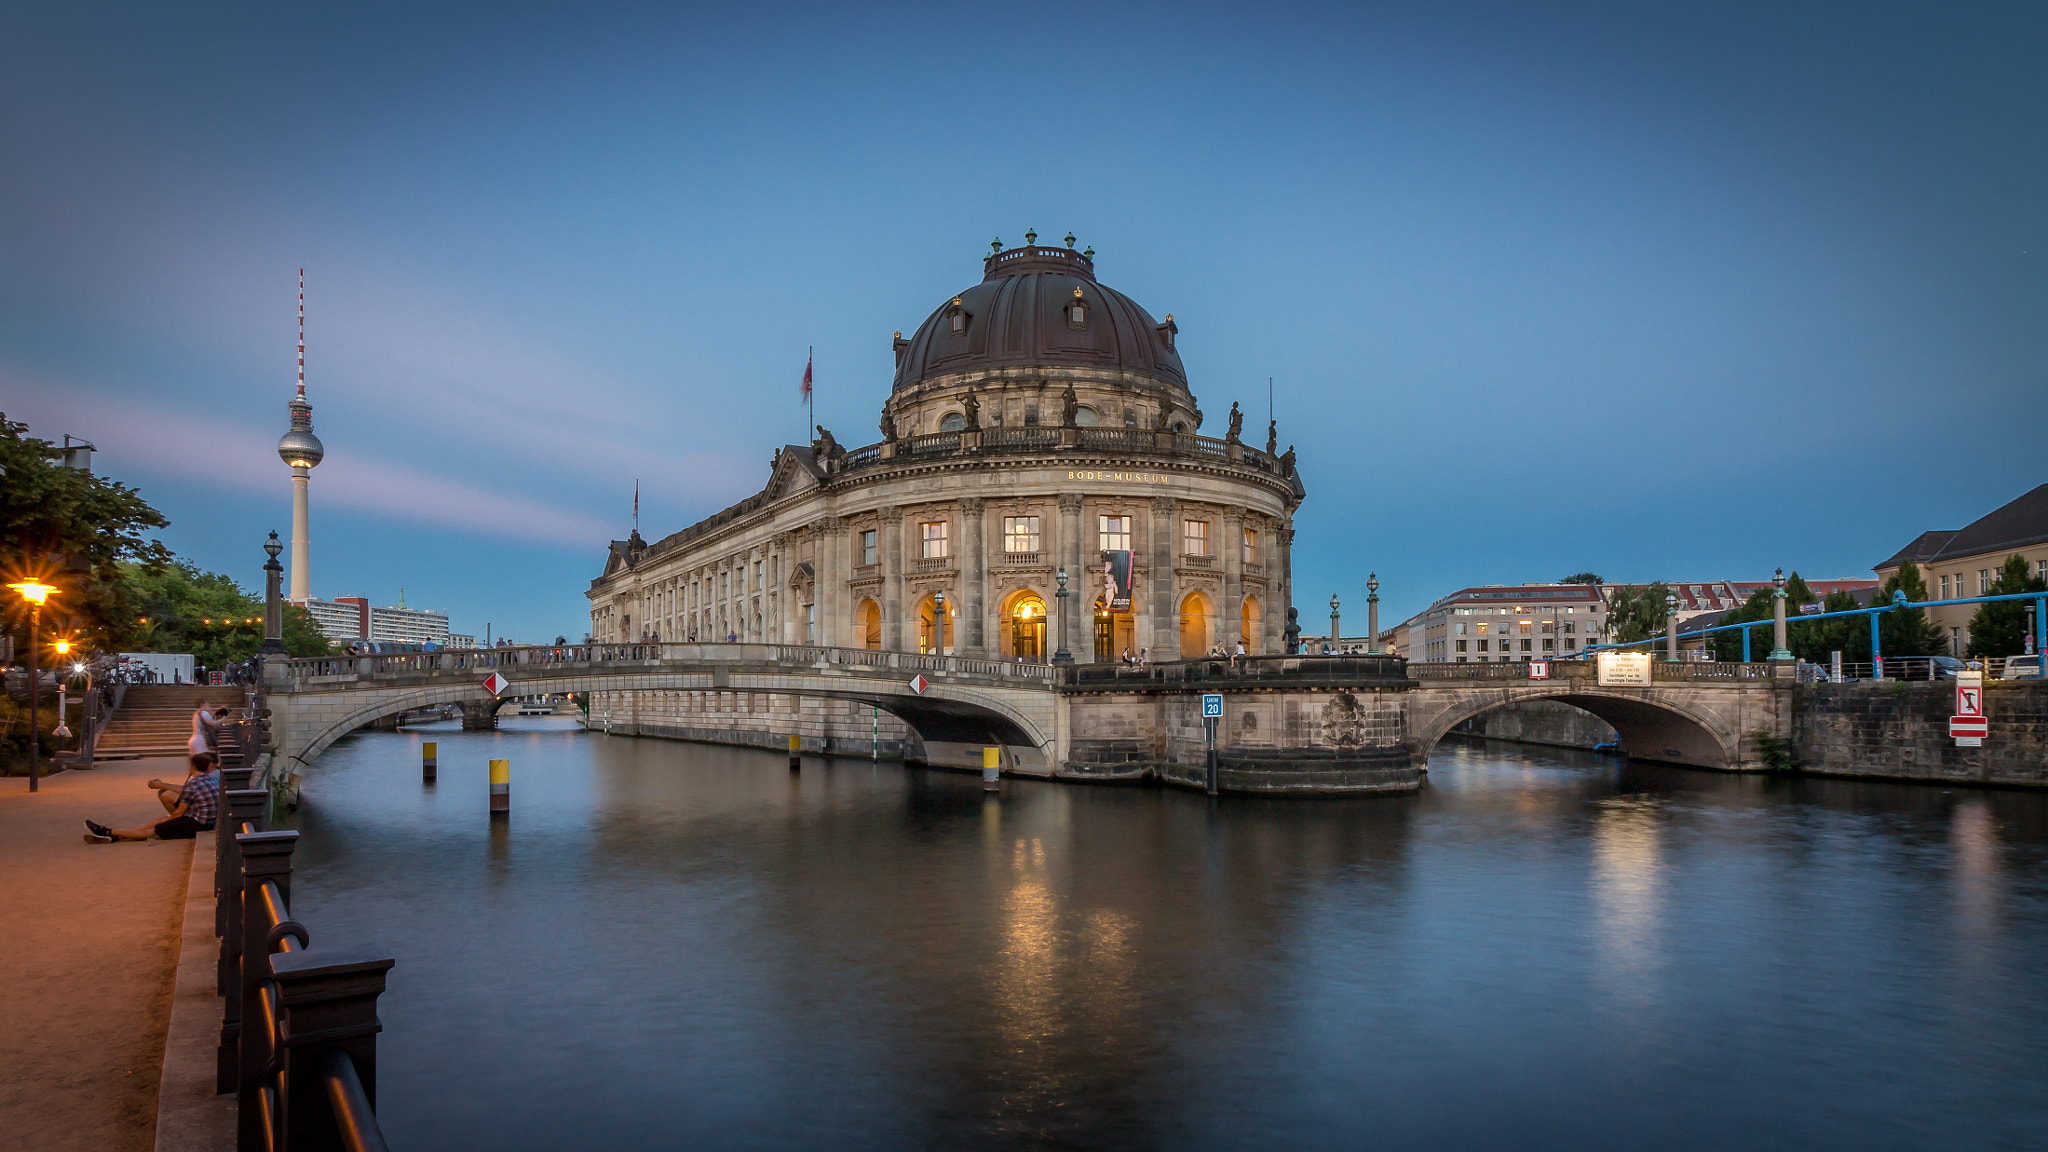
x=1974 y=873
x=1628 y=891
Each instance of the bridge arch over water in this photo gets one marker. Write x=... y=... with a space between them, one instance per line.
x=1673 y=731
x=964 y=702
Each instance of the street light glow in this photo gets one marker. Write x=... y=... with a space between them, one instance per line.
x=34 y=591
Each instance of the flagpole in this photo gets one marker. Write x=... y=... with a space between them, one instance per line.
x=811 y=393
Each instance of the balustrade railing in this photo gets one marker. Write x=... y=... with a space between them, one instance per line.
x=1119 y=439
x=1025 y=438
x=1354 y=669
x=934 y=444
x=998 y=441
x=298 y=1041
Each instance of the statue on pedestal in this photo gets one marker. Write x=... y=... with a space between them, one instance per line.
x=825 y=448
x=1287 y=461
x=1292 y=633
x=1272 y=437
x=1236 y=425
x=1069 y=406
x=888 y=425
x=973 y=407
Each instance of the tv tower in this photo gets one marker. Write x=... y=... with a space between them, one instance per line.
x=302 y=451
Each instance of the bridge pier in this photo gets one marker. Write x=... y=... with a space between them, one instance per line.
x=479 y=715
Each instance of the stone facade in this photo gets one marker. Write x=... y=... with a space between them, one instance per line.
x=993 y=478
x=1899 y=730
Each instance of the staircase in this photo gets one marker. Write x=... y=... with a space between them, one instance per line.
x=156 y=719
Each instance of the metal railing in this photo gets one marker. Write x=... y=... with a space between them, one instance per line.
x=298 y=1041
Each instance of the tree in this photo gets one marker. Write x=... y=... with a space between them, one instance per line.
x=179 y=608
x=1907 y=632
x=74 y=530
x=1583 y=578
x=2001 y=629
x=1728 y=645
x=1637 y=613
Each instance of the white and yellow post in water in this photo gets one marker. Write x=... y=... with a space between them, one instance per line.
x=501 y=788
x=430 y=762
x=991 y=768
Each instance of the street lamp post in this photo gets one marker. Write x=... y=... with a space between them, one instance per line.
x=1333 y=622
x=939 y=623
x=1671 y=626
x=1372 y=611
x=1064 y=655
x=35 y=592
x=273 y=599
x=1779 y=651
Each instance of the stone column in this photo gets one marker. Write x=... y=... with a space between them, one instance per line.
x=1230 y=626
x=1080 y=602
x=1165 y=630
x=892 y=579
x=973 y=578
x=826 y=581
x=1275 y=535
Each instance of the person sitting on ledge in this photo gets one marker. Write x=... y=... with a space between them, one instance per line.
x=196 y=808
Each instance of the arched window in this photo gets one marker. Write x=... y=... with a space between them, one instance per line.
x=1197 y=626
x=956 y=317
x=870 y=617
x=1085 y=417
x=953 y=422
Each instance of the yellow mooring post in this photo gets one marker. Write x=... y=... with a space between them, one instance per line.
x=430 y=762
x=991 y=768
x=796 y=753
x=501 y=789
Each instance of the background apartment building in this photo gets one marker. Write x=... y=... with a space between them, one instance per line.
x=346 y=618
x=1964 y=562
x=1496 y=623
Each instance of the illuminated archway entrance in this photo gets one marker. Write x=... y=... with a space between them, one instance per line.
x=869 y=618
x=1023 y=627
x=1248 y=625
x=1115 y=633
x=1196 y=630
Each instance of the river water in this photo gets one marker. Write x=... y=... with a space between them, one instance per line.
x=672 y=945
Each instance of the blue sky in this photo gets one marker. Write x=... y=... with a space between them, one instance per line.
x=1681 y=294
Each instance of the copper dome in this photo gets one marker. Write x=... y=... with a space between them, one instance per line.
x=1020 y=316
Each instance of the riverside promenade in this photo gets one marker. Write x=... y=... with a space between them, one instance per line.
x=90 y=958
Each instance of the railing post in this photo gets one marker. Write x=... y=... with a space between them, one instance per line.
x=266 y=856
x=242 y=805
x=330 y=1007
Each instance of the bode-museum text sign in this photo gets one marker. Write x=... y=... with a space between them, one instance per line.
x=1126 y=477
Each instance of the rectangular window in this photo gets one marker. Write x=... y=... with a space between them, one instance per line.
x=1461 y=646
x=1983 y=581
x=1461 y=629
x=1570 y=644
x=1481 y=628
x=1944 y=587
x=1568 y=627
x=1549 y=645
x=1461 y=660
x=867 y=546
x=1525 y=645
x=935 y=543
x=1114 y=532
x=1020 y=533
x=1194 y=537
x=757 y=575
x=1251 y=546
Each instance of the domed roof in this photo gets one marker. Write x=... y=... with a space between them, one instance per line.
x=1020 y=316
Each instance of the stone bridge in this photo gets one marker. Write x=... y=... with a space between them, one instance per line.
x=1291 y=724
x=965 y=703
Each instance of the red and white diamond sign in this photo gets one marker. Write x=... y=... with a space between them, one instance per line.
x=496 y=684
x=918 y=684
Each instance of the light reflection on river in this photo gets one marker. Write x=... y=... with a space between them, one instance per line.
x=678 y=945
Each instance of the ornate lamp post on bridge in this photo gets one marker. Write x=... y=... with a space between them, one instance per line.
x=273 y=599
x=1372 y=611
x=939 y=623
x=1779 y=651
x=1064 y=655
x=1333 y=622
x=1671 y=626
x=35 y=593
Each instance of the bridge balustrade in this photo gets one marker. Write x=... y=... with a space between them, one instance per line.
x=1364 y=671
x=1661 y=671
x=314 y=670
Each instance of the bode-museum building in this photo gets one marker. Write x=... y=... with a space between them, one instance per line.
x=1039 y=423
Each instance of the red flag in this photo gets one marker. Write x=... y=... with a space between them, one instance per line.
x=805 y=391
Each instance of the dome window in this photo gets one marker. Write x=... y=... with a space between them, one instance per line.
x=953 y=422
x=1085 y=417
x=1077 y=311
x=956 y=317
x=1167 y=331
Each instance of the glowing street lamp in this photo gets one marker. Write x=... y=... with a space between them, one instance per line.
x=36 y=593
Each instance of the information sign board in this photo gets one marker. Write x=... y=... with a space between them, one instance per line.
x=1212 y=704
x=1622 y=667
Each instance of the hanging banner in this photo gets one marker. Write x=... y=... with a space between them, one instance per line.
x=1116 y=580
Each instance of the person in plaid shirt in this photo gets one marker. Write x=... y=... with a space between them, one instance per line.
x=196 y=809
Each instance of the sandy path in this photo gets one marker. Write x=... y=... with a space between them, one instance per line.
x=88 y=950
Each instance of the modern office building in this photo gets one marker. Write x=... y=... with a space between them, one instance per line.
x=1497 y=623
x=346 y=618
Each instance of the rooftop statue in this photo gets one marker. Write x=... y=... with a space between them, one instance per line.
x=973 y=407
x=1069 y=406
x=1236 y=425
x=888 y=424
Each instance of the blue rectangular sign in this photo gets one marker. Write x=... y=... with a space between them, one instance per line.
x=1212 y=705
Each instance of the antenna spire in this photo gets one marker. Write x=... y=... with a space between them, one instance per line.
x=302 y=333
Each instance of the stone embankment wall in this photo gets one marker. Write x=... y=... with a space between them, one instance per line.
x=1900 y=730
x=753 y=720
x=1320 y=741
x=1539 y=722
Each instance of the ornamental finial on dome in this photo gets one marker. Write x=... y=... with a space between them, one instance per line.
x=1070 y=240
x=995 y=245
x=1030 y=237
x=1089 y=252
